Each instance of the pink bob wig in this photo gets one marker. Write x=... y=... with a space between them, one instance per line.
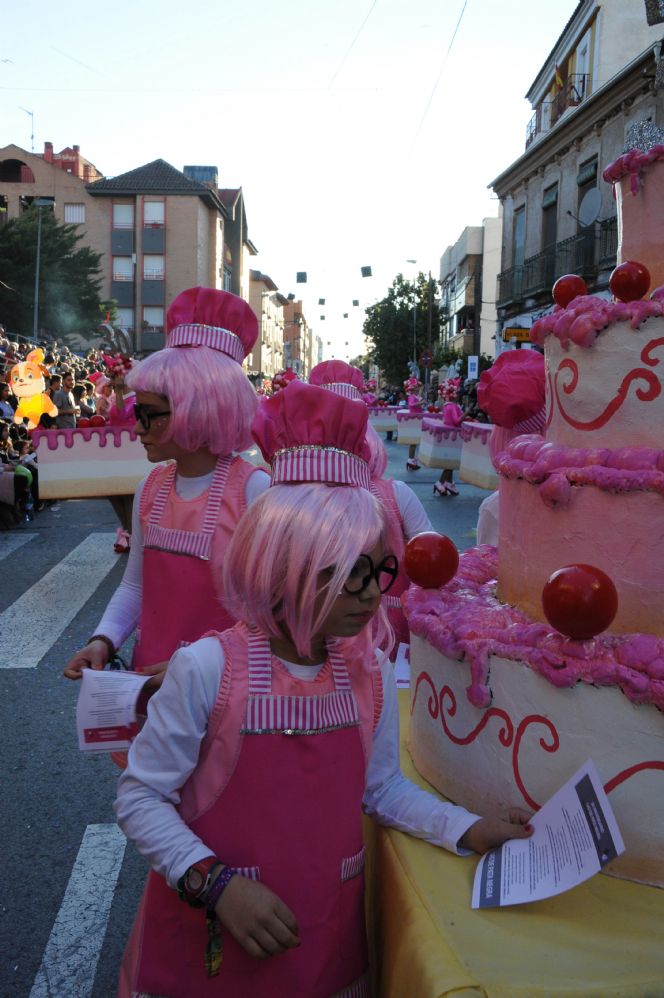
x=283 y=542
x=211 y=399
x=378 y=459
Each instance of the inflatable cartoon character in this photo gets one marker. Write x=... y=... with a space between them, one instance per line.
x=28 y=385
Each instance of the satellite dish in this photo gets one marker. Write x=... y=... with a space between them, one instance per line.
x=590 y=206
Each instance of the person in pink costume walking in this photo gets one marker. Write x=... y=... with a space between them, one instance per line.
x=404 y=512
x=513 y=395
x=246 y=787
x=194 y=408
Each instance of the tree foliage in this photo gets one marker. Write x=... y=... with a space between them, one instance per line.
x=69 y=281
x=397 y=327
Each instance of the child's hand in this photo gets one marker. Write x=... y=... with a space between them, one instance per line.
x=487 y=833
x=254 y=915
x=95 y=655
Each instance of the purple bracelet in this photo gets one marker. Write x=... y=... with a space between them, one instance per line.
x=218 y=886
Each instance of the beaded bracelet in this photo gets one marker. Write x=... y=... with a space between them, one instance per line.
x=107 y=641
x=218 y=886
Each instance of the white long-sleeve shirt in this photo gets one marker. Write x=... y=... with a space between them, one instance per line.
x=166 y=753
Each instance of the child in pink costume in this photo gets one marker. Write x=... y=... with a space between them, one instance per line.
x=513 y=394
x=286 y=730
x=404 y=512
x=194 y=407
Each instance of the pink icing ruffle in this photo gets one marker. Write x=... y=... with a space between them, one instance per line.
x=465 y=620
x=103 y=433
x=556 y=468
x=631 y=164
x=586 y=316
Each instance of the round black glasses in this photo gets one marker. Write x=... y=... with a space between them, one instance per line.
x=145 y=415
x=364 y=570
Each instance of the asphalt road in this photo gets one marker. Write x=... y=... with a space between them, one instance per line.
x=70 y=884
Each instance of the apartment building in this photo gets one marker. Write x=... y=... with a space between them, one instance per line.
x=598 y=93
x=472 y=263
x=267 y=357
x=298 y=339
x=158 y=230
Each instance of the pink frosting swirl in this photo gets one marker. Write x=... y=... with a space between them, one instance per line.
x=585 y=317
x=630 y=164
x=465 y=620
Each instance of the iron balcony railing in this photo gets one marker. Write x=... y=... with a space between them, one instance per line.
x=573 y=92
x=591 y=250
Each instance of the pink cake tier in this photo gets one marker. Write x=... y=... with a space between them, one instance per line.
x=383 y=418
x=476 y=465
x=89 y=462
x=562 y=505
x=638 y=183
x=409 y=426
x=440 y=445
x=505 y=709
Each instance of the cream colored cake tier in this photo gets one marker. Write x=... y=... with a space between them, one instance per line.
x=476 y=465
x=90 y=462
x=603 y=364
x=383 y=418
x=560 y=506
x=505 y=710
x=638 y=179
x=440 y=445
x=409 y=426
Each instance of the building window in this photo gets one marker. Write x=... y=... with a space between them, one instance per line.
x=550 y=217
x=153 y=267
x=123 y=268
x=126 y=318
x=74 y=214
x=153 y=318
x=519 y=237
x=153 y=213
x=123 y=216
x=228 y=279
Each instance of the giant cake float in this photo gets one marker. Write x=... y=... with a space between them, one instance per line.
x=504 y=708
x=89 y=462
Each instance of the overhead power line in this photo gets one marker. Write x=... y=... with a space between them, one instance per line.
x=435 y=86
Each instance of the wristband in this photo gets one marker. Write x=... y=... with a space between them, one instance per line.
x=218 y=887
x=107 y=641
x=193 y=886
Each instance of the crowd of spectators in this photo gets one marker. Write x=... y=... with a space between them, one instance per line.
x=72 y=382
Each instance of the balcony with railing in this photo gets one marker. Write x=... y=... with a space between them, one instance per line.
x=572 y=93
x=587 y=253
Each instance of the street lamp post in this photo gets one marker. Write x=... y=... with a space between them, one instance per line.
x=414 y=320
x=39 y=204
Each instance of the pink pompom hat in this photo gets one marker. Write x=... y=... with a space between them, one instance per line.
x=211 y=318
x=308 y=434
x=339 y=377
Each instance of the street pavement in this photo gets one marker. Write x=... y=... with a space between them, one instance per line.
x=70 y=883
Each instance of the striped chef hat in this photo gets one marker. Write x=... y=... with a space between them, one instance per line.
x=308 y=434
x=339 y=377
x=207 y=317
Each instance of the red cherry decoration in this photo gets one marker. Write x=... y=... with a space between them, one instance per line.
x=629 y=281
x=432 y=408
x=431 y=560
x=83 y=422
x=97 y=420
x=567 y=288
x=580 y=601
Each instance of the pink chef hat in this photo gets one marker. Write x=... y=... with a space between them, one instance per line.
x=339 y=377
x=512 y=391
x=210 y=318
x=308 y=434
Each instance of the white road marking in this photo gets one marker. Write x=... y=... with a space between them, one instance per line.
x=32 y=623
x=12 y=542
x=70 y=959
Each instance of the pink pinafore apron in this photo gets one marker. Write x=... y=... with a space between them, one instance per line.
x=185 y=540
x=382 y=489
x=288 y=812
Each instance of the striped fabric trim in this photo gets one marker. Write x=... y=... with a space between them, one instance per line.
x=250 y=872
x=533 y=424
x=195 y=544
x=300 y=715
x=195 y=334
x=295 y=715
x=343 y=388
x=358 y=989
x=392 y=602
x=319 y=464
x=352 y=866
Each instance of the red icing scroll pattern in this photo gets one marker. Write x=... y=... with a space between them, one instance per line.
x=646 y=394
x=506 y=735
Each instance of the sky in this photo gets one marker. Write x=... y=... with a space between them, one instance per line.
x=362 y=132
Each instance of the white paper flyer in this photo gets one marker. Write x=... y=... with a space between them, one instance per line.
x=575 y=834
x=106 y=719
